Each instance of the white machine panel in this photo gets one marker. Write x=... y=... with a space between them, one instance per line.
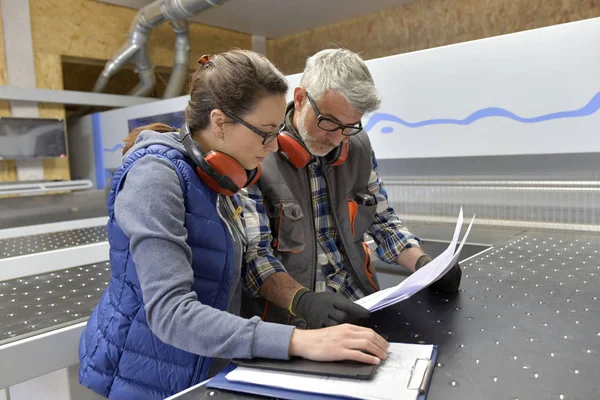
x=532 y=92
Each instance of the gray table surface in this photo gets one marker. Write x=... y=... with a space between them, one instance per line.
x=525 y=324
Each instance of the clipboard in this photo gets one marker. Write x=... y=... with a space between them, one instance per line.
x=426 y=380
x=220 y=382
x=416 y=382
x=338 y=369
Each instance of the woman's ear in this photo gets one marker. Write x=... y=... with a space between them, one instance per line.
x=218 y=122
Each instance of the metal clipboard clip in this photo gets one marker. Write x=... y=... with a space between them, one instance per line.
x=420 y=375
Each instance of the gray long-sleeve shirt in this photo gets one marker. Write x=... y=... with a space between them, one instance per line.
x=150 y=209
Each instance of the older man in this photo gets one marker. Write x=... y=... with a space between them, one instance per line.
x=317 y=197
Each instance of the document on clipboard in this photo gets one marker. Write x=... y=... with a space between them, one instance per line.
x=405 y=374
x=422 y=278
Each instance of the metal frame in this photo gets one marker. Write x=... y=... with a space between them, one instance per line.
x=505 y=223
x=35 y=188
x=38 y=355
x=49 y=261
x=71 y=97
x=56 y=349
x=498 y=183
x=52 y=227
x=54 y=260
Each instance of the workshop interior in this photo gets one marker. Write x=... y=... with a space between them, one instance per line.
x=486 y=144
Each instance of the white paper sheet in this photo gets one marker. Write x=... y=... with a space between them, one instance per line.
x=391 y=380
x=422 y=278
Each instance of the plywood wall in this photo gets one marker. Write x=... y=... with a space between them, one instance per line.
x=92 y=30
x=4 y=105
x=7 y=168
x=427 y=23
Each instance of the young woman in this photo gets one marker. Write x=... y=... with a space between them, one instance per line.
x=168 y=319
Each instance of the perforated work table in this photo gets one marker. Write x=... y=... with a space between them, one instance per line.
x=38 y=243
x=525 y=324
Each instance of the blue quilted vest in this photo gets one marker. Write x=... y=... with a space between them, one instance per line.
x=120 y=356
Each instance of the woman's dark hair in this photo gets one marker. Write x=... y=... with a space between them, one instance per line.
x=232 y=81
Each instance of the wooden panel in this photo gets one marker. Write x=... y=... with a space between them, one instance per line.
x=4 y=105
x=79 y=27
x=56 y=169
x=3 y=73
x=50 y=77
x=8 y=172
x=427 y=23
x=90 y=29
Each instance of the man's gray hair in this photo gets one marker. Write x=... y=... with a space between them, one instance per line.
x=345 y=72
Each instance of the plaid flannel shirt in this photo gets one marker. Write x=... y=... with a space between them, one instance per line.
x=387 y=230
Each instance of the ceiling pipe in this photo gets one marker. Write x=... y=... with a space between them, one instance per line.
x=150 y=16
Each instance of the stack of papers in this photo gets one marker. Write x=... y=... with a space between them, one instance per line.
x=422 y=278
x=398 y=377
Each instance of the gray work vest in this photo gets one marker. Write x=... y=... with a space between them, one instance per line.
x=288 y=203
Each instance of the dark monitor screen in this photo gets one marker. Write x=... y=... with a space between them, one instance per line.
x=174 y=119
x=32 y=138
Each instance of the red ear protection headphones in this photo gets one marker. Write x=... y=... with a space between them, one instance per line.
x=298 y=155
x=221 y=172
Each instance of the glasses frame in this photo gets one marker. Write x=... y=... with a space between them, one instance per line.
x=341 y=127
x=267 y=137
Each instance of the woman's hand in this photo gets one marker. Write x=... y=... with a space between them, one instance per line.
x=342 y=342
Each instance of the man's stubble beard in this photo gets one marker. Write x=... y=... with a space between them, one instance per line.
x=316 y=147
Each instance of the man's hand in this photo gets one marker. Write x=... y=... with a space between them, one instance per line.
x=449 y=283
x=325 y=309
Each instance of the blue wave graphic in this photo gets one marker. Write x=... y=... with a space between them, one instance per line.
x=115 y=148
x=590 y=108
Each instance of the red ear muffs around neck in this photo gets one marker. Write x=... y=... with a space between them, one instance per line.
x=299 y=156
x=339 y=154
x=222 y=173
x=295 y=151
x=219 y=171
x=253 y=176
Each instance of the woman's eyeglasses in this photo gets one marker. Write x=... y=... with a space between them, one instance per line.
x=268 y=137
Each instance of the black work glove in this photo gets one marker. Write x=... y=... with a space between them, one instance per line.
x=449 y=283
x=325 y=309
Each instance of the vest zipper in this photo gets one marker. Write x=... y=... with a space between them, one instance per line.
x=239 y=231
x=235 y=225
x=203 y=359
x=223 y=218
x=199 y=364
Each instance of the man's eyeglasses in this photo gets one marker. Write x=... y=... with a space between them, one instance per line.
x=268 y=137
x=329 y=125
